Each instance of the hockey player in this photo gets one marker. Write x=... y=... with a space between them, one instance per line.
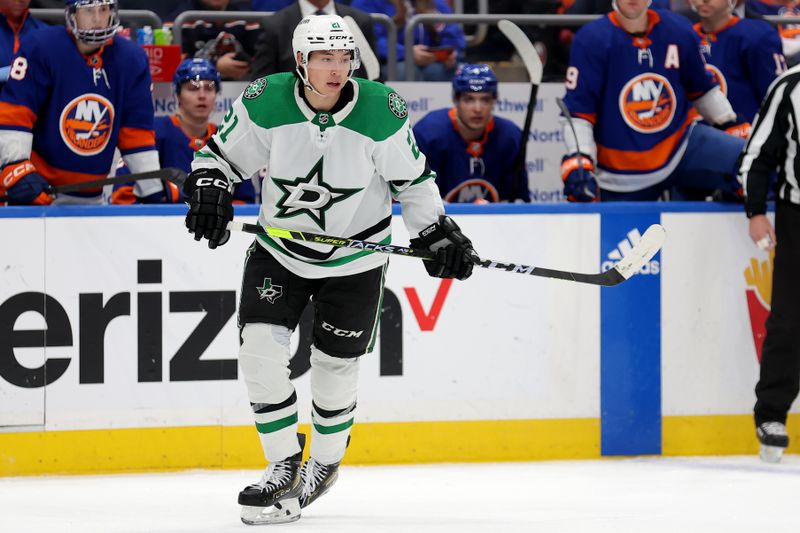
x=472 y=151
x=631 y=79
x=338 y=151
x=744 y=56
x=73 y=96
x=196 y=84
x=789 y=33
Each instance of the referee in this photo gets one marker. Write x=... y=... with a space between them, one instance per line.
x=773 y=145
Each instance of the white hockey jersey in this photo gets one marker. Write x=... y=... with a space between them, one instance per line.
x=331 y=173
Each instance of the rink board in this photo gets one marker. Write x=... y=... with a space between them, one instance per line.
x=501 y=367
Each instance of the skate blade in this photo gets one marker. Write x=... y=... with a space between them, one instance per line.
x=282 y=512
x=771 y=454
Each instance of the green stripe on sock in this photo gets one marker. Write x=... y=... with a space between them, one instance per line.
x=277 y=425
x=327 y=430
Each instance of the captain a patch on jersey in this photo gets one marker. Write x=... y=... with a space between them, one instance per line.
x=86 y=124
x=647 y=103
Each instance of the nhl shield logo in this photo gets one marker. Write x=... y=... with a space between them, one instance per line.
x=86 y=124
x=255 y=88
x=269 y=292
x=398 y=106
x=647 y=103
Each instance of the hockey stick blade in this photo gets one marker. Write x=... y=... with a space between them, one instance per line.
x=645 y=249
x=525 y=49
x=371 y=63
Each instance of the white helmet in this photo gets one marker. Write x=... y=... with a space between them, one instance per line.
x=322 y=32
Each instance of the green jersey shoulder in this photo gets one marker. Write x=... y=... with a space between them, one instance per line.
x=270 y=101
x=379 y=112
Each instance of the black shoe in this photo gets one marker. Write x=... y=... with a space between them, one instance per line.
x=281 y=480
x=317 y=480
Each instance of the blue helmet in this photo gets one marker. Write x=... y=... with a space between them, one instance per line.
x=98 y=36
x=472 y=78
x=195 y=68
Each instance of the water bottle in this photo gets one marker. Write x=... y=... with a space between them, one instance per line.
x=144 y=35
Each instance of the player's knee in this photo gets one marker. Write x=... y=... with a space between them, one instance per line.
x=264 y=360
x=334 y=380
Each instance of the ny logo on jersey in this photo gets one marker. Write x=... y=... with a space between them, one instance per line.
x=647 y=103
x=269 y=292
x=86 y=124
x=309 y=195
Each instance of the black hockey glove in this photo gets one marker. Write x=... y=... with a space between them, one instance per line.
x=207 y=192
x=454 y=253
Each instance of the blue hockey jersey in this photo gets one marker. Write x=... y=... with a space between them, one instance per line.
x=77 y=108
x=636 y=91
x=744 y=57
x=472 y=171
x=10 y=35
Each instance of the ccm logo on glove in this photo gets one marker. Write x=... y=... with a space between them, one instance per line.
x=212 y=182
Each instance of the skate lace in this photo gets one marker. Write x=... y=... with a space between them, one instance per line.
x=277 y=475
x=314 y=475
x=774 y=428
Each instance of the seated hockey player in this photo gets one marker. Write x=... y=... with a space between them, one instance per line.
x=632 y=77
x=338 y=150
x=744 y=56
x=471 y=150
x=196 y=84
x=72 y=97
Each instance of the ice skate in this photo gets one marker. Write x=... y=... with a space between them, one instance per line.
x=274 y=499
x=774 y=441
x=317 y=480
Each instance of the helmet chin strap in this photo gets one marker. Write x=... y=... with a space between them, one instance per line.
x=307 y=84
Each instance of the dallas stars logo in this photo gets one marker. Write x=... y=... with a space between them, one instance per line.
x=310 y=196
x=255 y=88
x=269 y=292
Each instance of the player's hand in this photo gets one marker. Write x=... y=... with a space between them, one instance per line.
x=208 y=194
x=580 y=183
x=422 y=56
x=741 y=130
x=762 y=232
x=231 y=68
x=455 y=255
x=23 y=185
x=170 y=194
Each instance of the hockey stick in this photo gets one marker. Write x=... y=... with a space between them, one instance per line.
x=368 y=57
x=171 y=174
x=568 y=116
x=532 y=62
x=631 y=263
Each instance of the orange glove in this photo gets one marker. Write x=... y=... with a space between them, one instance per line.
x=22 y=185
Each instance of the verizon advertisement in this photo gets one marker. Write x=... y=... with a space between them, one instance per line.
x=126 y=321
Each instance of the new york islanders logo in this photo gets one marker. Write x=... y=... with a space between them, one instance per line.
x=718 y=77
x=647 y=103
x=86 y=124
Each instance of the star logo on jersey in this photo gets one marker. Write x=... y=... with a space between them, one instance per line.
x=255 y=88
x=269 y=292
x=309 y=196
x=398 y=106
x=86 y=124
x=647 y=103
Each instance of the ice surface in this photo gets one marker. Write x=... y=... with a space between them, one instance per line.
x=643 y=495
